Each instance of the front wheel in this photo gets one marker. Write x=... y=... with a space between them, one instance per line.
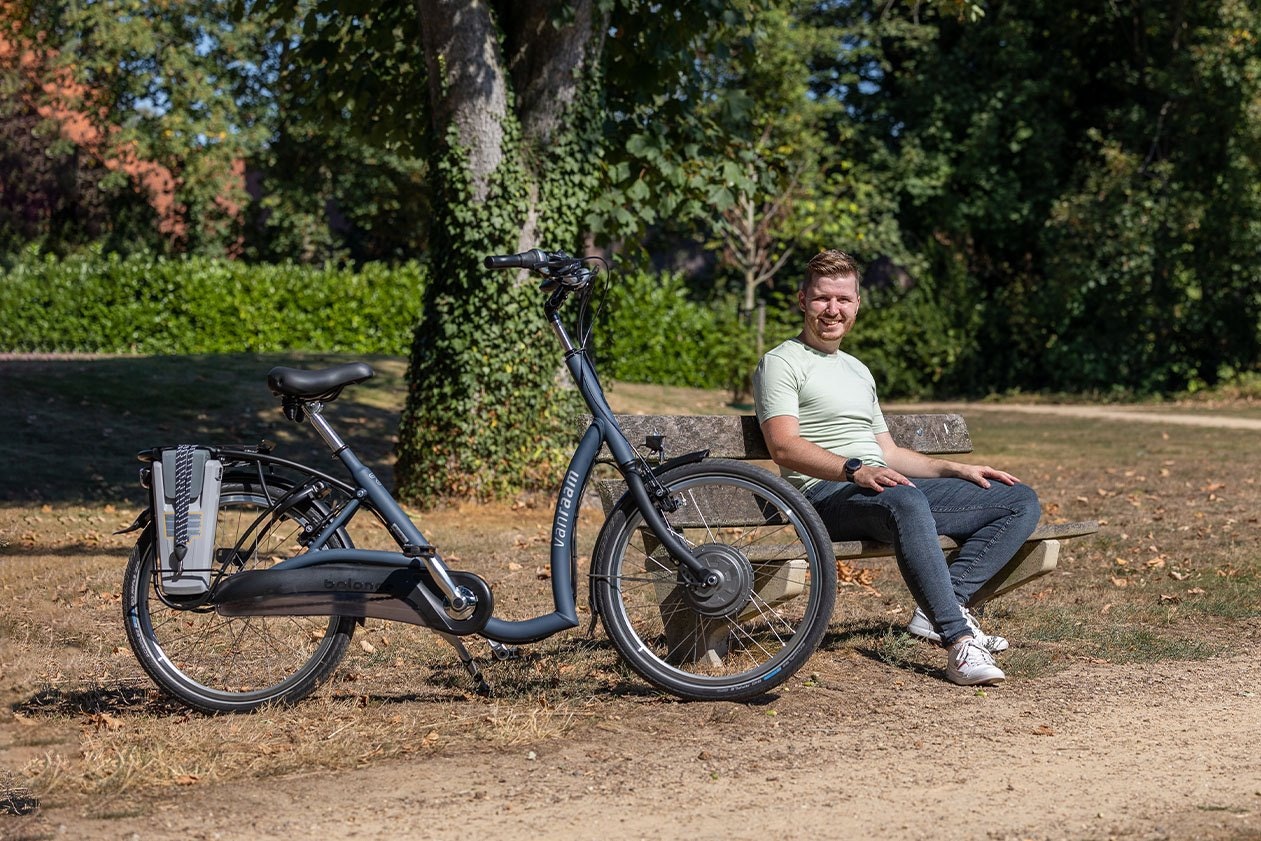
x=219 y=663
x=768 y=599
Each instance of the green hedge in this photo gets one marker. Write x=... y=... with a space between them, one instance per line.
x=651 y=329
x=653 y=332
x=147 y=304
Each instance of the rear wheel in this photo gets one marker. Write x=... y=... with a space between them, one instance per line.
x=766 y=607
x=232 y=663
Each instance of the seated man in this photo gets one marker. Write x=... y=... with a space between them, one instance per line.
x=821 y=418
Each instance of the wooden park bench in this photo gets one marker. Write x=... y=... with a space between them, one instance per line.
x=739 y=437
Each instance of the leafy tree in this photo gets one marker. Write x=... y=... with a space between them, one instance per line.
x=539 y=125
x=180 y=90
x=1092 y=166
x=55 y=192
x=342 y=176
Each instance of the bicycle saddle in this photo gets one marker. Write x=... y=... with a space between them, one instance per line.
x=322 y=384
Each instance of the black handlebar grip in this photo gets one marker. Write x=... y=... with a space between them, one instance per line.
x=535 y=258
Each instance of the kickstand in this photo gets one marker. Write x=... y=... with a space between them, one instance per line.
x=470 y=665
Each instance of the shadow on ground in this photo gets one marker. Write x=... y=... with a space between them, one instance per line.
x=70 y=428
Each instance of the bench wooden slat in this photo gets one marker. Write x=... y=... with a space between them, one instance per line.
x=740 y=437
x=876 y=549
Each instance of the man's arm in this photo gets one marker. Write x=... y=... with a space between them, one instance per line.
x=788 y=449
x=918 y=465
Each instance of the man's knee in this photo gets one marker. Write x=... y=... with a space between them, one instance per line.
x=1024 y=499
x=905 y=501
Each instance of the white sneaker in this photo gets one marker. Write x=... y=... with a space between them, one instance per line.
x=970 y=664
x=920 y=626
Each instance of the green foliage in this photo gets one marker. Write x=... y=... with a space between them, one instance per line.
x=1092 y=169
x=180 y=85
x=343 y=176
x=326 y=196
x=651 y=331
x=51 y=195
x=148 y=304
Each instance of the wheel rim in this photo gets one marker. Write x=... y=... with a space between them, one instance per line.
x=670 y=632
x=241 y=660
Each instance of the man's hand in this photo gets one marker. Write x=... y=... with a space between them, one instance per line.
x=981 y=474
x=878 y=478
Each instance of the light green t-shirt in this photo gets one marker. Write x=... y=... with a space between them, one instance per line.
x=832 y=395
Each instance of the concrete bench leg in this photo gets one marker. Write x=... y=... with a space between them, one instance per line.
x=774 y=583
x=696 y=639
x=690 y=638
x=1034 y=560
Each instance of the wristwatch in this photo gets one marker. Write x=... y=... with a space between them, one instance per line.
x=852 y=466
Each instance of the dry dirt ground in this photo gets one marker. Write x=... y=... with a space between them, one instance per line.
x=1095 y=752
x=851 y=748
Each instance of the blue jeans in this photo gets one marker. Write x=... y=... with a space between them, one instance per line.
x=989 y=524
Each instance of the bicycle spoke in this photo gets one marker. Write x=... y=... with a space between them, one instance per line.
x=219 y=662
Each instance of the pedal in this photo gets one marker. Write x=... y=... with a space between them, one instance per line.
x=504 y=652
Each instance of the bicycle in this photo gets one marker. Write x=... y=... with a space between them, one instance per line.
x=266 y=614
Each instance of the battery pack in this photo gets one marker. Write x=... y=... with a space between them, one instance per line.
x=186 y=572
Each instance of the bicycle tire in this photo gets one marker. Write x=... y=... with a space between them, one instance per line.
x=219 y=663
x=741 y=639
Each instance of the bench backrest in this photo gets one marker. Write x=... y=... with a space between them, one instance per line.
x=740 y=437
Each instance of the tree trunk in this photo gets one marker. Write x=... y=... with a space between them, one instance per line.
x=485 y=416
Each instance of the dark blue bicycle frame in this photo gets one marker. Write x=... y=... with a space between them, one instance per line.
x=367 y=489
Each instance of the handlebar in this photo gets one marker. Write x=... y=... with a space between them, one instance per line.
x=534 y=259
x=559 y=268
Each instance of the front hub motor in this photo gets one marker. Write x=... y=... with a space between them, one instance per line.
x=727 y=583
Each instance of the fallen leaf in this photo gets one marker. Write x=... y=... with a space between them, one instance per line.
x=1195 y=591
x=186 y=779
x=1119 y=582
x=367 y=646
x=1043 y=730
x=1169 y=599
x=105 y=721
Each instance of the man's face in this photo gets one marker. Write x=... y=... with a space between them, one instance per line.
x=830 y=305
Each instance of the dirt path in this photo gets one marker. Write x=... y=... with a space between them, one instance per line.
x=1184 y=418
x=1098 y=751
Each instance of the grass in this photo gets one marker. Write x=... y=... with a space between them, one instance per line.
x=1174 y=575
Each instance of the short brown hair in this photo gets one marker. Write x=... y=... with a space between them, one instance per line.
x=832 y=263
